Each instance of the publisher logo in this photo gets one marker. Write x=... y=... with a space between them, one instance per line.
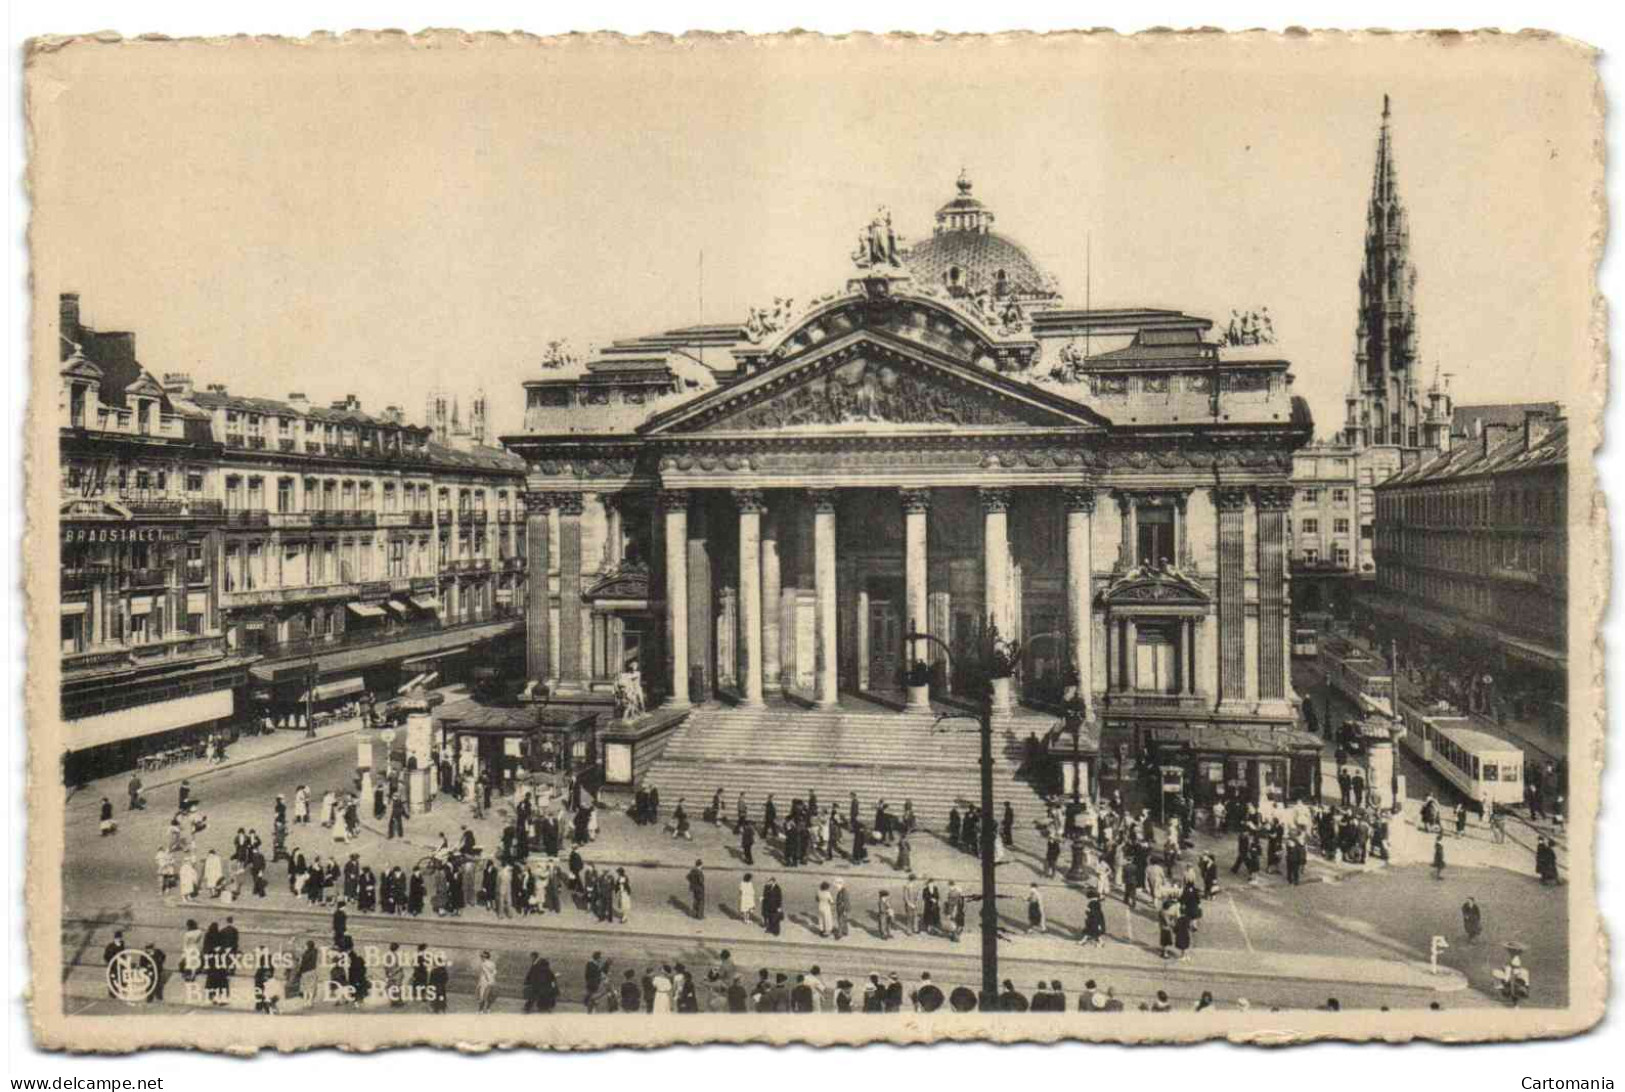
x=132 y=976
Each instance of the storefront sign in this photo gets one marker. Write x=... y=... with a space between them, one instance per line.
x=119 y=532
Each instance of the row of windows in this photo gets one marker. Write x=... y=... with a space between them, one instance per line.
x=1340 y=526
x=1312 y=496
x=1456 y=507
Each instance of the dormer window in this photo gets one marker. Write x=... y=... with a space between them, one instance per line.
x=1000 y=285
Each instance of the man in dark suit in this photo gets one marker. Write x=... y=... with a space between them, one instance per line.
x=773 y=906
x=696 y=888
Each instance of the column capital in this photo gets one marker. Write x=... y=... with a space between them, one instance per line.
x=1273 y=498
x=539 y=504
x=674 y=500
x=1124 y=499
x=569 y=504
x=915 y=499
x=823 y=500
x=1230 y=498
x=1079 y=498
x=995 y=500
x=749 y=500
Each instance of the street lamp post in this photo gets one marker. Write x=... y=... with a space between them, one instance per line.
x=989 y=830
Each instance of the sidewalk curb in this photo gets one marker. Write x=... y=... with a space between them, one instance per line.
x=232 y=765
x=1452 y=982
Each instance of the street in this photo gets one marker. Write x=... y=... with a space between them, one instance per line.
x=1361 y=934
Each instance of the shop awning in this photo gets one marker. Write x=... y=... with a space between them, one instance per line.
x=366 y=610
x=150 y=719
x=426 y=603
x=399 y=609
x=342 y=661
x=424 y=663
x=339 y=688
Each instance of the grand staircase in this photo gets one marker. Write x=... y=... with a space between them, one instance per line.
x=787 y=750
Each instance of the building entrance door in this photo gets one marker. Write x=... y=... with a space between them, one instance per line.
x=885 y=645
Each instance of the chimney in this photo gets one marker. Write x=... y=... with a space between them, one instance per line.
x=1537 y=424
x=178 y=383
x=299 y=401
x=392 y=414
x=217 y=388
x=1495 y=434
x=69 y=302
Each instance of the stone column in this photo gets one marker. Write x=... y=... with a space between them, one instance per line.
x=612 y=530
x=1231 y=503
x=1080 y=507
x=701 y=610
x=1189 y=649
x=674 y=502
x=572 y=672
x=1131 y=649
x=823 y=505
x=750 y=595
x=538 y=607
x=772 y=604
x=916 y=505
x=1274 y=663
x=996 y=605
x=860 y=637
x=996 y=560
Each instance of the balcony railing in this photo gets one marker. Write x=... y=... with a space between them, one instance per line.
x=504 y=515
x=290 y=519
x=256 y=443
x=234 y=441
x=266 y=597
x=313 y=447
x=248 y=517
x=285 y=443
x=422 y=519
x=480 y=515
x=184 y=647
x=513 y=564
x=443 y=515
x=146 y=578
x=393 y=632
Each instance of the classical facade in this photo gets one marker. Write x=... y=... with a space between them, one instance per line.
x=1472 y=563
x=776 y=506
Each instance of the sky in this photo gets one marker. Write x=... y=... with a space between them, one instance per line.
x=379 y=217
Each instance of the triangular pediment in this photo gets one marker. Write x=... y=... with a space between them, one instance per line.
x=870 y=381
x=1154 y=587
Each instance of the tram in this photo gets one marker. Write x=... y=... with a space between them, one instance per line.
x=1305 y=641
x=1477 y=763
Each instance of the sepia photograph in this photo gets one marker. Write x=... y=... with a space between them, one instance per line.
x=805 y=539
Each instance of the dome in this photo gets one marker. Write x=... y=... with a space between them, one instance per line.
x=965 y=256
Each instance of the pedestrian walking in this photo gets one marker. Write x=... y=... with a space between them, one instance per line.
x=747 y=899
x=1035 y=910
x=1438 y=856
x=696 y=888
x=883 y=911
x=1472 y=919
x=487 y=989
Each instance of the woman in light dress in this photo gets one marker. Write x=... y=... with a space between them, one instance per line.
x=329 y=802
x=662 y=999
x=214 y=873
x=488 y=982
x=189 y=879
x=826 y=909
x=592 y=821
x=747 y=899
x=191 y=950
x=623 y=898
